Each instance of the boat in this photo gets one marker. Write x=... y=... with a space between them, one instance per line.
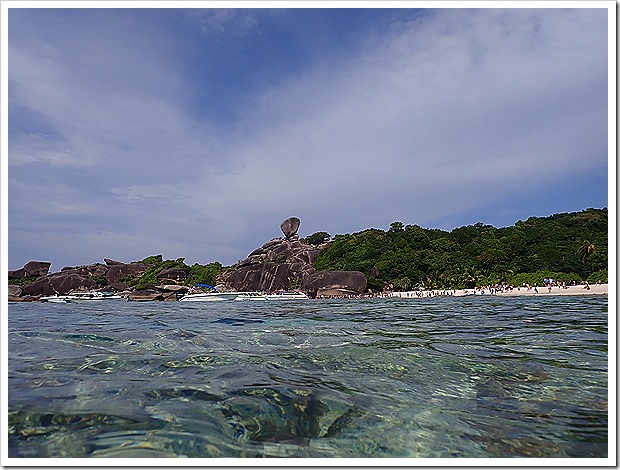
x=287 y=295
x=57 y=299
x=209 y=297
x=82 y=297
x=250 y=296
x=198 y=294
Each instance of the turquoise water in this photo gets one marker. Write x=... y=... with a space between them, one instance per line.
x=431 y=377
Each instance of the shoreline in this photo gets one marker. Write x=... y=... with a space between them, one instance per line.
x=543 y=291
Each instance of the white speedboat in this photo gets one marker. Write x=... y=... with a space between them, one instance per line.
x=250 y=296
x=57 y=299
x=209 y=297
x=294 y=295
x=82 y=297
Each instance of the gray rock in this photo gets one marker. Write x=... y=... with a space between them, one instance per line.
x=278 y=265
x=172 y=274
x=37 y=268
x=41 y=286
x=271 y=243
x=146 y=296
x=345 y=281
x=31 y=269
x=14 y=291
x=290 y=226
x=117 y=272
x=65 y=283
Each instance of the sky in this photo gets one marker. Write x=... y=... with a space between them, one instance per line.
x=194 y=132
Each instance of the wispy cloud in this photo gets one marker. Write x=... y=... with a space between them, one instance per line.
x=435 y=118
x=233 y=22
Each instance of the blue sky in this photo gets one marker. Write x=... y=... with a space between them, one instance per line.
x=194 y=132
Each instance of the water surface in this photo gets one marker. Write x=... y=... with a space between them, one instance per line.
x=431 y=377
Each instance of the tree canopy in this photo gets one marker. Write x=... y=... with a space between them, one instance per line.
x=567 y=247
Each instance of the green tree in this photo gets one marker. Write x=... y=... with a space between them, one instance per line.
x=585 y=250
x=317 y=238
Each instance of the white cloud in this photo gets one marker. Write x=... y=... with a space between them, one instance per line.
x=231 y=21
x=440 y=116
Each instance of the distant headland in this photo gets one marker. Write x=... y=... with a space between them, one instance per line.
x=565 y=249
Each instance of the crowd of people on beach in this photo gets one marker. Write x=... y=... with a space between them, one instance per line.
x=548 y=286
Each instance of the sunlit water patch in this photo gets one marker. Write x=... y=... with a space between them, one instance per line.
x=441 y=377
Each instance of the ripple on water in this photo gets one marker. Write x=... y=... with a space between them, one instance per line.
x=443 y=377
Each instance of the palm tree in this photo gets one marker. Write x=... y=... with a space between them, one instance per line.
x=585 y=250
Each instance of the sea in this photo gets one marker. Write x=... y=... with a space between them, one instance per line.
x=442 y=377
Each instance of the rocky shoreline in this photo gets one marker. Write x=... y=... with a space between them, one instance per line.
x=281 y=264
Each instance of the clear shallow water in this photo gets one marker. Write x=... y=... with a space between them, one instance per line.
x=436 y=377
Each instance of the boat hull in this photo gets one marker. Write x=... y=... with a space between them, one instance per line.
x=209 y=297
x=82 y=297
x=287 y=296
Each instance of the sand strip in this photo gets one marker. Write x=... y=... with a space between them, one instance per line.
x=600 y=289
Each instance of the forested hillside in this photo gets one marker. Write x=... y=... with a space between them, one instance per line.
x=567 y=247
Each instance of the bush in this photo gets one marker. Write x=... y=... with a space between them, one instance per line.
x=598 y=276
x=203 y=274
x=375 y=284
x=317 y=238
x=539 y=277
x=149 y=278
x=23 y=281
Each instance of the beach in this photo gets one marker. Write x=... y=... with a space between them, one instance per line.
x=594 y=289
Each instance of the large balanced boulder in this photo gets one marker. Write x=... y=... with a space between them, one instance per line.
x=333 y=282
x=290 y=226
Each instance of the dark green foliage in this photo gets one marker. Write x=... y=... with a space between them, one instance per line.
x=538 y=278
x=157 y=265
x=155 y=259
x=204 y=274
x=317 y=238
x=568 y=247
x=601 y=276
x=196 y=274
x=23 y=281
x=100 y=280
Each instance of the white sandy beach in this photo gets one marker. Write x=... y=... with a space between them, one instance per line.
x=601 y=289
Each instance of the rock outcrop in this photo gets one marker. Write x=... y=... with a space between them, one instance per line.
x=330 y=283
x=31 y=269
x=59 y=283
x=280 y=264
x=117 y=272
x=288 y=263
x=73 y=278
x=284 y=263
